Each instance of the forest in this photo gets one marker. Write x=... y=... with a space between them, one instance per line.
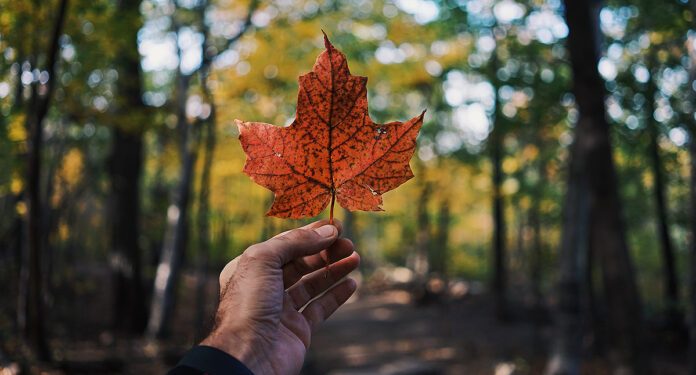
x=550 y=227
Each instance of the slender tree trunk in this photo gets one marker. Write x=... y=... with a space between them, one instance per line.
x=593 y=149
x=349 y=225
x=692 y=289
x=35 y=330
x=350 y=232
x=49 y=218
x=203 y=222
x=537 y=248
x=517 y=260
x=421 y=264
x=535 y=263
x=567 y=354
x=671 y=287
x=499 y=281
x=203 y=219
x=125 y=167
x=692 y=230
x=535 y=272
x=440 y=253
x=499 y=260
x=176 y=232
x=20 y=219
x=129 y=311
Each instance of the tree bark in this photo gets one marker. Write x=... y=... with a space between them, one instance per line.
x=567 y=355
x=499 y=259
x=537 y=246
x=34 y=328
x=176 y=232
x=499 y=276
x=692 y=289
x=421 y=265
x=203 y=219
x=440 y=253
x=129 y=313
x=125 y=167
x=671 y=286
x=421 y=251
x=692 y=229
x=592 y=152
x=350 y=232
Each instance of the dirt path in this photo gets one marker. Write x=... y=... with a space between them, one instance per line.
x=387 y=334
x=378 y=333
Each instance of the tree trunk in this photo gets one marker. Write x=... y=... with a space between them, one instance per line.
x=535 y=272
x=567 y=355
x=499 y=262
x=203 y=219
x=49 y=219
x=536 y=254
x=692 y=289
x=692 y=230
x=349 y=225
x=203 y=230
x=420 y=257
x=499 y=276
x=440 y=254
x=125 y=166
x=175 y=237
x=671 y=287
x=592 y=151
x=129 y=312
x=34 y=327
x=421 y=265
x=595 y=327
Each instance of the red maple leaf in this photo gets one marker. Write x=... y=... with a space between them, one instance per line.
x=333 y=150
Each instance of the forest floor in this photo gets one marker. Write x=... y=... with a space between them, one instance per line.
x=382 y=332
x=386 y=333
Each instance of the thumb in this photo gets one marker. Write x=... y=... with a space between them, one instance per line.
x=298 y=243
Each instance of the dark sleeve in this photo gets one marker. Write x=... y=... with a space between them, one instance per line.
x=209 y=361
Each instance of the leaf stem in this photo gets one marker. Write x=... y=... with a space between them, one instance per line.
x=333 y=200
x=331 y=221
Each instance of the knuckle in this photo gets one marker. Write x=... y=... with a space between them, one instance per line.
x=299 y=235
x=255 y=255
x=254 y=252
x=228 y=271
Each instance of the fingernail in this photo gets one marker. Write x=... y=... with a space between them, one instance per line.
x=326 y=231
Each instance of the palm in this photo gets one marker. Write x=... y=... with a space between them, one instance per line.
x=291 y=348
x=287 y=328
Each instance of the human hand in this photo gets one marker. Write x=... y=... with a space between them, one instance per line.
x=260 y=318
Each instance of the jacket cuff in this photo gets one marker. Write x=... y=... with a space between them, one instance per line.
x=211 y=361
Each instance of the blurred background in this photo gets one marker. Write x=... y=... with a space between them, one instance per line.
x=548 y=229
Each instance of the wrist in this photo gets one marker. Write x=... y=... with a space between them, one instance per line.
x=244 y=348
